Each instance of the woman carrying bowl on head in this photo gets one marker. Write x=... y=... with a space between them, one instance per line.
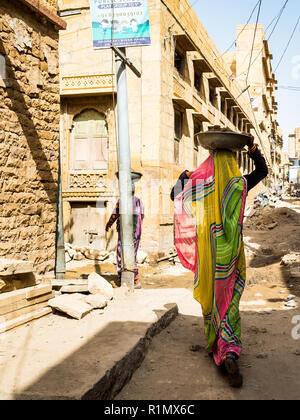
x=209 y=208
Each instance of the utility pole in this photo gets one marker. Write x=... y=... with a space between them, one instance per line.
x=125 y=180
x=60 y=263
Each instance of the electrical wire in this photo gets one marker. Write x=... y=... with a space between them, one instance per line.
x=254 y=36
x=240 y=33
x=269 y=37
x=288 y=44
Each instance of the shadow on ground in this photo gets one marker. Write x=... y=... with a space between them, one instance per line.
x=270 y=364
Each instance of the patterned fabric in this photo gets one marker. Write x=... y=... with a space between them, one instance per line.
x=138 y=216
x=208 y=237
x=119 y=256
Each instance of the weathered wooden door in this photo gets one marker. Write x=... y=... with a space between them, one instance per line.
x=89 y=141
x=88 y=224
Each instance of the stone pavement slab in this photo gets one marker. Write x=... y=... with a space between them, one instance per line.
x=56 y=357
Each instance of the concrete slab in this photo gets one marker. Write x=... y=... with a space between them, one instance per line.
x=56 y=357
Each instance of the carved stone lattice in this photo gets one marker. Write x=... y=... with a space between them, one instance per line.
x=87 y=181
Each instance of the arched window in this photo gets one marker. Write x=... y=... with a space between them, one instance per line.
x=89 y=141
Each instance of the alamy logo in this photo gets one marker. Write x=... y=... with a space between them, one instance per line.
x=296 y=329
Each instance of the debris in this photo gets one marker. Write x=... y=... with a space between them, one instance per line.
x=295 y=272
x=291 y=304
x=290 y=259
x=166 y=258
x=98 y=285
x=9 y=267
x=71 y=305
x=96 y=301
x=262 y=199
x=272 y=226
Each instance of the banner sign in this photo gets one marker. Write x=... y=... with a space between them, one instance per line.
x=125 y=23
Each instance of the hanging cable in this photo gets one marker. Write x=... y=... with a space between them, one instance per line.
x=276 y=23
x=240 y=33
x=288 y=44
x=252 y=48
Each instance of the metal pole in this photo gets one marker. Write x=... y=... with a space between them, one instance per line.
x=125 y=182
x=60 y=262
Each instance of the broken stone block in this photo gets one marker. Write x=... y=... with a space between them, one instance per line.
x=71 y=305
x=76 y=288
x=9 y=267
x=96 y=301
x=98 y=285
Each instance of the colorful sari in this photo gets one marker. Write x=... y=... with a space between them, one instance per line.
x=138 y=216
x=208 y=237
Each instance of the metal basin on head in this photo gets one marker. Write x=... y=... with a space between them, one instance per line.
x=135 y=176
x=213 y=140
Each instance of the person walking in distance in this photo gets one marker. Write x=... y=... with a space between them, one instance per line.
x=138 y=216
x=209 y=208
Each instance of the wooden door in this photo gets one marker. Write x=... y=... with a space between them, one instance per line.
x=88 y=225
x=89 y=141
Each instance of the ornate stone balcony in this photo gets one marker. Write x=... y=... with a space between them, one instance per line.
x=87 y=83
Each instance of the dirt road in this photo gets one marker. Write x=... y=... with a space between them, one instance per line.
x=270 y=361
x=171 y=371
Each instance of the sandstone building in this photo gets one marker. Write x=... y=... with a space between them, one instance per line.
x=258 y=76
x=294 y=144
x=186 y=86
x=29 y=130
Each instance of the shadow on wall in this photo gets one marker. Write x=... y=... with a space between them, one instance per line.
x=18 y=105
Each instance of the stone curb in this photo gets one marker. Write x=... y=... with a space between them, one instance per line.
x=117 y=377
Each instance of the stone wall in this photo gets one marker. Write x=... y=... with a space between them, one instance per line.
x=29 y=135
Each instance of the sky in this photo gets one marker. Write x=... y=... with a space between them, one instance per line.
x=220 y=18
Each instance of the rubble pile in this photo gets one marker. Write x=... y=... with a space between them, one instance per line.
x=76 y=253
x=292 y=261
x=263 y=218
x=77 y=298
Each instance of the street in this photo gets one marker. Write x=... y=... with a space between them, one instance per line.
x=178 y=367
